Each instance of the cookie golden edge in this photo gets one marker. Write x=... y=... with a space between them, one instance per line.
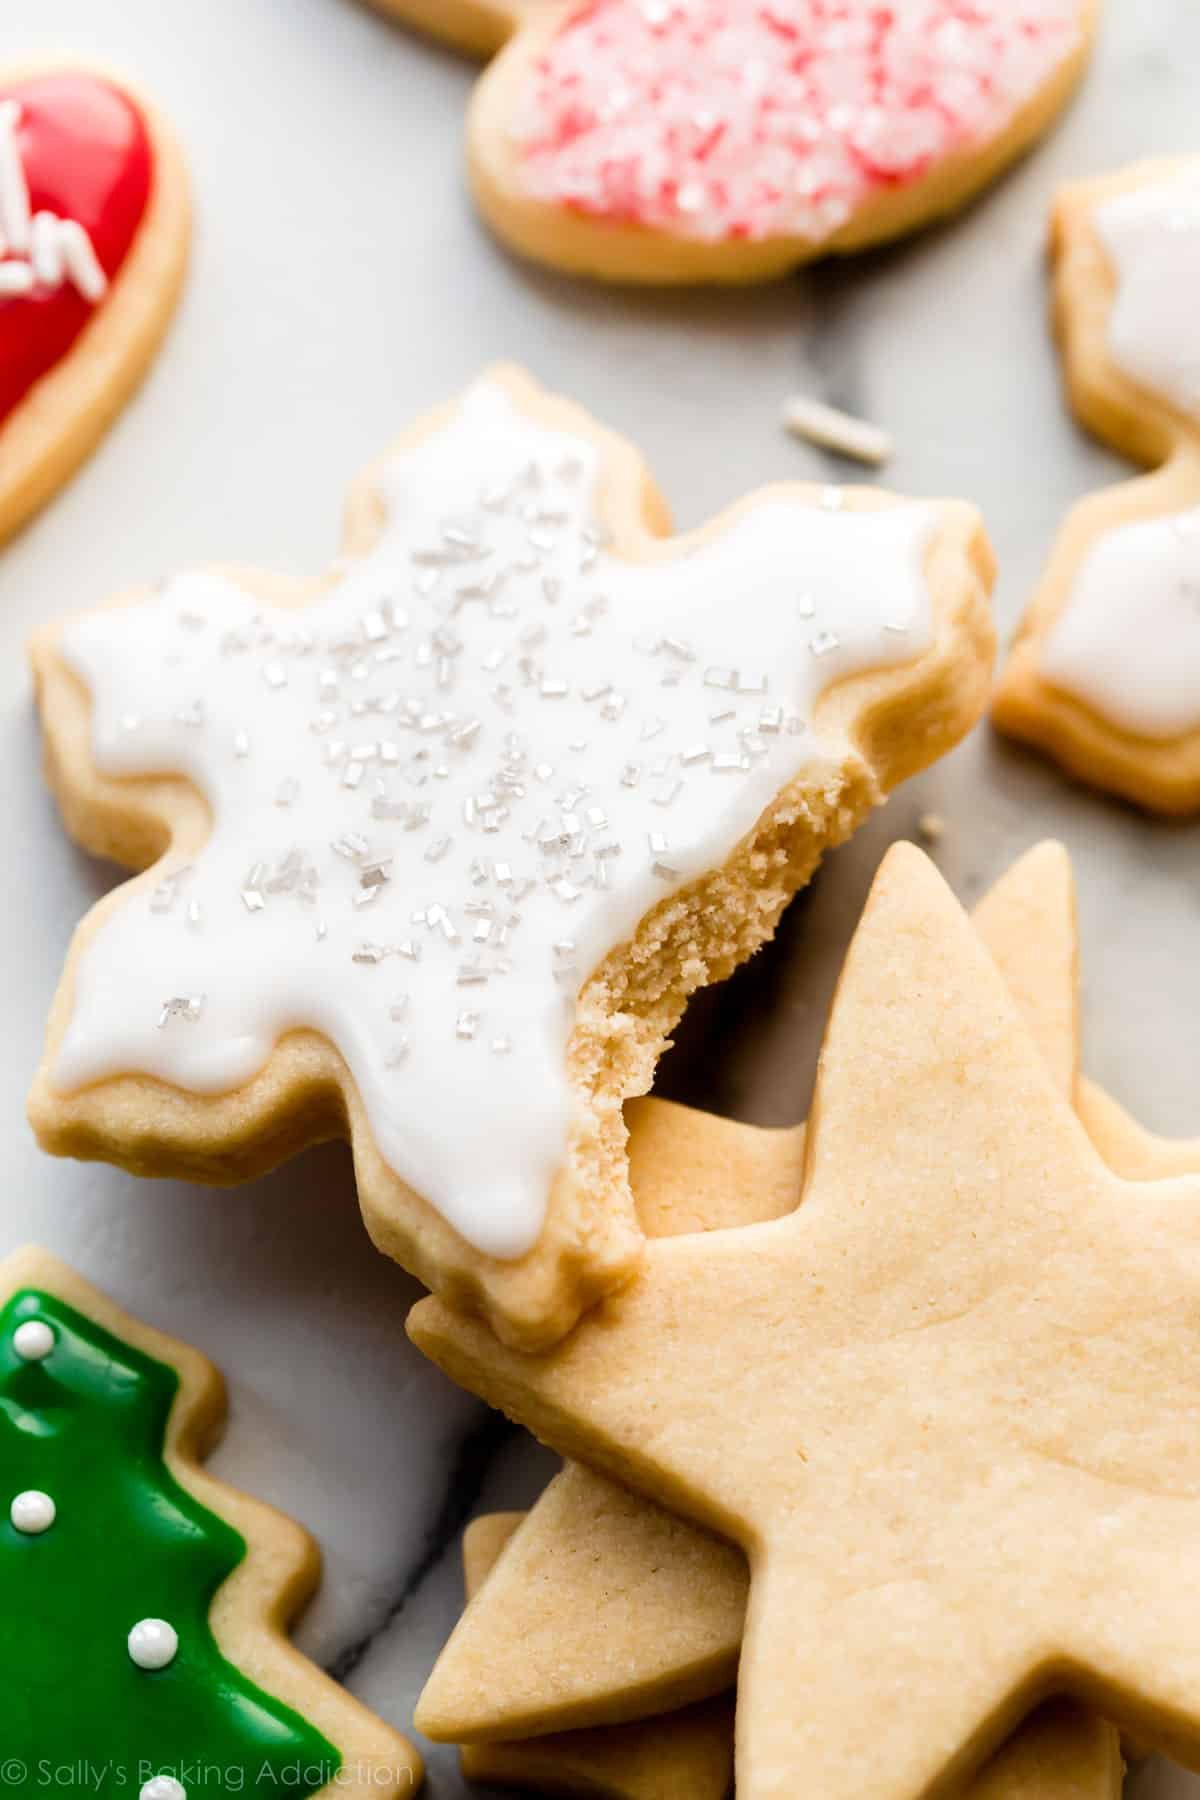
x=1160 y=775
x=876 y=729
x=478 y=27
x=255 y=1605
x=59 y=422
x=604 y=250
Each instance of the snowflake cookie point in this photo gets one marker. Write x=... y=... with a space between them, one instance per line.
x=475 y=833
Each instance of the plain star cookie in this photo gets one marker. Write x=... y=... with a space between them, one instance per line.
x=955 y=1371
x=449 y=838
x=1062 y=1753
x=686 y=1755
x=94 y=228
x=149 y=1593
x=608 y=1610
x=1105 y=670
x=730 y=140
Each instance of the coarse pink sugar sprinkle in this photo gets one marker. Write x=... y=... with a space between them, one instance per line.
x=748 y=119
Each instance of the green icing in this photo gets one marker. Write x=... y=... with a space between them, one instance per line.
x=87 y=1425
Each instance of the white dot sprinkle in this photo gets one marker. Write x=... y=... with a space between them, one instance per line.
x=32 y=1512
x=163 y=1787
x=153 y=1643
x=34 y=1340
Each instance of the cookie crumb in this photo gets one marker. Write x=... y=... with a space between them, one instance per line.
x=831 y=429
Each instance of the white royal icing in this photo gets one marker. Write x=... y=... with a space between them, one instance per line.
x=38 y=250
x=1128 y=641
x=163 y=1787
x=445 y=792
x=153 y=1644
x=32 y=1512
x=1152 y=235
x=34 y=1340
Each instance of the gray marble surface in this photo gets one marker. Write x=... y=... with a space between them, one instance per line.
x=341 y=283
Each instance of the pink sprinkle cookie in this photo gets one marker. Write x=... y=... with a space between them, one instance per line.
x=691 y=140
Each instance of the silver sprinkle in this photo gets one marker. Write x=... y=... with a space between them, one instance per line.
x=695 y=753
x=241 y=743
x=352 y=846
x=720 y=678
x=823 y=643
x=275 y=675
x=501 y=1046
x=397 y=1054
x=181 y=1006
x=667 y=794
x=466 y=1025
x=435 y=851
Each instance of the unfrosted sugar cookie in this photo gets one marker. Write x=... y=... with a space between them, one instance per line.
x=445 y=842
x=681 y=1755
x=151 y=1594
x=607 y=1612
x=1061 y=1753
x=951 y=1369
x=1105 y=670
x=94 y=226
x=729 y=140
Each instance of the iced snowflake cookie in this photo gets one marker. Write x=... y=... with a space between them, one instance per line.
x=729 y=140
x=149 y=1592
x=94 y=225
x=1105 y=670
x=955 y=1368
x=445 y=842
x=1061 y=1753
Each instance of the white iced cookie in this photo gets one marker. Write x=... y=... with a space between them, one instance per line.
x=445 y=842
x=1105 y=671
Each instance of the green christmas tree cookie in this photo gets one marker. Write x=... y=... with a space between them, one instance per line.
x=142 y=1647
